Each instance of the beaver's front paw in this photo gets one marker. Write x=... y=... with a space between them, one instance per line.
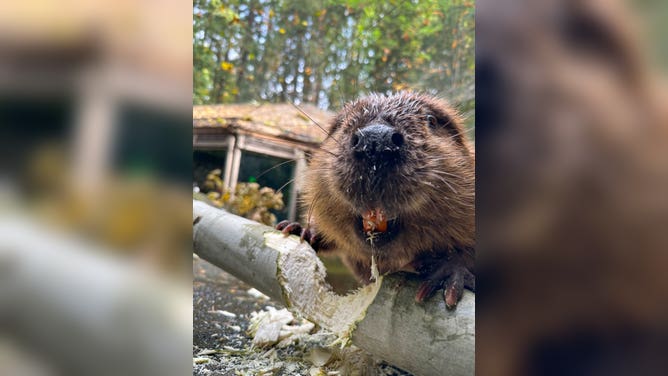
x=452 y=276
x=295 y=228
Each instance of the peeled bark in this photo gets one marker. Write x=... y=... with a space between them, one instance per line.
x=381 y=318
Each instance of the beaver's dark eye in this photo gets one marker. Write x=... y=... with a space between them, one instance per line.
x=431 y=119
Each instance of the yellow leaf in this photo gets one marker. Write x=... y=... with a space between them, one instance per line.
x=304 y=23
x=226 y=66
x=281 y=30
x=399 y=86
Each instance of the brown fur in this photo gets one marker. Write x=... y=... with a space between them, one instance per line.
x=574 y=207
x=431 y=193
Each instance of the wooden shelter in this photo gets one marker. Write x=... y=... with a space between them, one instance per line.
x=224 y=134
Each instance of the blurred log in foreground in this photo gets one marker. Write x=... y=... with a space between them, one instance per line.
x=74 y=309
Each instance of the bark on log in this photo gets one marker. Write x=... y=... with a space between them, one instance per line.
x=82 y=311
x=381 y=318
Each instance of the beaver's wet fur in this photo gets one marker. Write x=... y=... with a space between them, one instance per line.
x=405 y=155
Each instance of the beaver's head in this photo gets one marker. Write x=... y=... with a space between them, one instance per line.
x=397 y=158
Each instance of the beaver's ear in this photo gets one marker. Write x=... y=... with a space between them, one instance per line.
x=442 y=119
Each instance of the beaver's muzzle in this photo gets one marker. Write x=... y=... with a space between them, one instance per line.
x=377 y=143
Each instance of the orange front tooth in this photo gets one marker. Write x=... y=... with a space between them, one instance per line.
x=381 y=221
x=368 y=220
x=374 y=220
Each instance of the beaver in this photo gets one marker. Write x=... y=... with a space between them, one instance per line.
x=394 y=183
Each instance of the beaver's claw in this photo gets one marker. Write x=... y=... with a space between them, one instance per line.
x=453 y=277
x=295 y=228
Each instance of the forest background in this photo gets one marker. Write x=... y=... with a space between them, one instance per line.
x=329 y=52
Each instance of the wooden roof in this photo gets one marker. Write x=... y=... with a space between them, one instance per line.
x=276 y=120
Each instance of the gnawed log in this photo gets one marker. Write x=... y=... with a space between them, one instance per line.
x=381 y=318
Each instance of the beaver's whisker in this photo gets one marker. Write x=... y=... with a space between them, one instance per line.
x=310 y=208
x=442 y=179
x=278 y=165
x=285 y=185
x=437 y=172
x=315 y=122
x=328 y=152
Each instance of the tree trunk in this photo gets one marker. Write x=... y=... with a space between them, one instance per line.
x=381 y=318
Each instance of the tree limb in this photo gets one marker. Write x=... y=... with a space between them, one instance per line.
x=381 y=318
x=82 y=311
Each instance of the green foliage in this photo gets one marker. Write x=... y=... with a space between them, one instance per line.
x=248 y=200
x=330 y=51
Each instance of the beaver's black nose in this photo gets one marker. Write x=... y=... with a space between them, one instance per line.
x=377 y=142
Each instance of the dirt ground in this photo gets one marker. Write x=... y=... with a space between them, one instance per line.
x=222 y=307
